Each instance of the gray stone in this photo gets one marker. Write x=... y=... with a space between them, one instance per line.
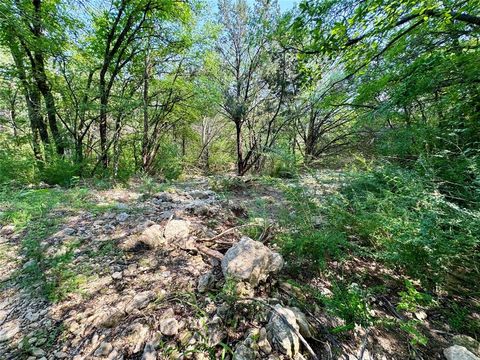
x=263 y=343
x=242 y=352
x=38 y=352
x=32 y=316
x=280 y=334
x=69 y=231
x=153 y=236
x=9 y=330
x=122 y=217
x=140 y=301
x=168 y=324
x=104 y=349
x=117 y=275
x=176 y=229
x=149 y=352
x=205 y=282
x=466 y=341
x=61 y=355
x=250 y=261
x=305 y=328
x=457 y=352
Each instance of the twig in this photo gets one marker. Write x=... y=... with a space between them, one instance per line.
x=210 y=252
x=364 y=345
x=224 y=233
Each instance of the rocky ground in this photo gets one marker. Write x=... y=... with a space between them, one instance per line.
x=169 y=275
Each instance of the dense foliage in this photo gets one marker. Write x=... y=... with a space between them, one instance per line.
x=387 y=90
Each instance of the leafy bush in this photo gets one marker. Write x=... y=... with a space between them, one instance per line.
x=169 y=162
x=304 y=243
x=281 y=163
x=59 y=171
x=349 y=303
x=16 y=166
x=407 y=222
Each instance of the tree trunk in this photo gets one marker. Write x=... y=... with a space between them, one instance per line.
x=240 y=163
x=38 y=66
x=145 y=157
x=103 y=119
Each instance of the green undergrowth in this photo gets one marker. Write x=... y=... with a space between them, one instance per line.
x=400 y=219
x=37 y=214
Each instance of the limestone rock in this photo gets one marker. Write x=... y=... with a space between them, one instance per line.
x=250 y=261
x=263 y=343
x=104 y=349
x=457 y=352
x=305 y=328
x=281 y=336
x=122 y=217
x=466 y=341
x=149 y=352
x=242 y=352
x=9 y=330
x=176 y=229
x=140 y=301
x=168 y=324
x=205 y=282
x=153 y=236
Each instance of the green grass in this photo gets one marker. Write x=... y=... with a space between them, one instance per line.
x=37 y=214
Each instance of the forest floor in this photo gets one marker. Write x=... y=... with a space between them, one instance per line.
x=134 y=273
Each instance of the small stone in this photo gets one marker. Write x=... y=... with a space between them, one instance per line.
x=30 y=263
x=169 y=326
x=149 y=352
x=122 y=217
x=61 y=355
x=176 y=229
x=421 y=315
x=457 y=352
x=250 y=261
x=263 y=343
x=205 y=282
x=302 y=321
x=140 y=301
x=242 y=352
x=38 y=352
x=281 y=334
x=32 y=316
x=69 y=231
x=104 y=349
x=9 y=330
x=7 y=230
x=117 y=275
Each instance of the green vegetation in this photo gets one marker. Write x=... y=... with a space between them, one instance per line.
x=382 y=95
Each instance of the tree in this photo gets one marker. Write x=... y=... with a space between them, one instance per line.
x=253 y=78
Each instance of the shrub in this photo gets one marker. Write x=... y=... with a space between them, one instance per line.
x=59 y=171
x=169 y=162
x=409 y=223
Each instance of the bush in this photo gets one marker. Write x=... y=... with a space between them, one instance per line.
x=405 y=220
x=169 y=161
x=59 y=171
x=16 y=166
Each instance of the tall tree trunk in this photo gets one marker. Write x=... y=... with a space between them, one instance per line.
x=145 y=151
x=240 y=163
x=32 y=99
x=103 y=119
x=38 y=66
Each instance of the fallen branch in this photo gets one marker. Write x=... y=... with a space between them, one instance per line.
x=210 y=252
x=224 y=233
